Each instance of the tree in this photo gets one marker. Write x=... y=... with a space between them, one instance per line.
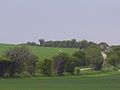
x=83 y=44
x=31 y=43
x=21 y=55
x=67 y=43
x=70 y=65
x=114 y=60
x=94 y=57
x=42 y=41
x=91 y=43
x=81 y=61
x=59 y=62
x=104 y=46
x=45 y=67
x=73 y=42
x=113 y=56
x=4 y=66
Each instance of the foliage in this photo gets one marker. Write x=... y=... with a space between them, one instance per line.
x=103 y=46
x=41 y=41
x=94 y=57
x=4 y=66
x=77 y=70
x=59 y=63
x=70 y=65
x=114 y=56
x=20 y=61
x=90 y=56
x=67 y=43
x=45 y=67
x=80 y=57
x=20 y=56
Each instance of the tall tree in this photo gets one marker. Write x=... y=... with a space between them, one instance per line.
x=41 y=41
x=59 y=62
x=94 y=57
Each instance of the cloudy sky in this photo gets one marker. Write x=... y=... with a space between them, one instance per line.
x=30 y=20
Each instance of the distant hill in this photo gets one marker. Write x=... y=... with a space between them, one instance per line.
x=41 y=52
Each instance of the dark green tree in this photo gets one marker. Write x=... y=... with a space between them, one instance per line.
x=70 y=65
x=19 y=56
x=113 y=56
x=59 y=63
x=45 y=67
x=94 y=57
x=41 y=41
x=81 y=59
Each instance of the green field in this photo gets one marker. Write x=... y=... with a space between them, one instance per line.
x=98 y=81
x=41 y=52
x=109 y=81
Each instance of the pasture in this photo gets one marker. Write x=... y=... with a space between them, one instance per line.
x=108 y=81
x=41 y=52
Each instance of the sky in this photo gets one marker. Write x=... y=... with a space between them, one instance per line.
x=31 y=20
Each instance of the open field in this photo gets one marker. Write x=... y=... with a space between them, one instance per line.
x=109 y=81
x=47 y=52
x=98 y=81
x=41 y=52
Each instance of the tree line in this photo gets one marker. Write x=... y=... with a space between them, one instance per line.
x=68 y=44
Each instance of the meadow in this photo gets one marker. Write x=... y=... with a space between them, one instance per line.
x=106 y=81
x=94 y=81
x=41 y=52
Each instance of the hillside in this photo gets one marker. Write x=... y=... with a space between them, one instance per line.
x=41 y=52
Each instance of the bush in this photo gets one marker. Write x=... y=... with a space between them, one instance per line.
x=77 y=70
x=45 y=67
x=24 y=74
x=21 y=60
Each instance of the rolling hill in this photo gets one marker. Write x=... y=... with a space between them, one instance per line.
x=41 y=52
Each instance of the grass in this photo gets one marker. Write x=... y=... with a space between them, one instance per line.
x=105 y=81
x=95 y=81
x=47 y=52
x=4 y=47
x=19 y=84
x=41 y=52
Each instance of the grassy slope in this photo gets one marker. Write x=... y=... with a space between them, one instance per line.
x=41 y=52
x=4 y=47
x=108 y=81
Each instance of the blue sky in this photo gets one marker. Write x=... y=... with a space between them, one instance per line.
x=30 y=20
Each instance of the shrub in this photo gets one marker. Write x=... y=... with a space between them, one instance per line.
x=22 y=60
x=45 y=67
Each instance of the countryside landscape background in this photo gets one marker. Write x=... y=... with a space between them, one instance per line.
x=61 y=65
x=59 y=44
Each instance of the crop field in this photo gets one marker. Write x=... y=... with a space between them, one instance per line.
x=41 y=52
x=109 y=81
